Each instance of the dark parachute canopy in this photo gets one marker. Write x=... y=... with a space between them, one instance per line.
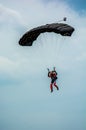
x=60 y=28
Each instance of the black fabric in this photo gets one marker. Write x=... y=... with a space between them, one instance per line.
x=60 y=28
x=53 y=79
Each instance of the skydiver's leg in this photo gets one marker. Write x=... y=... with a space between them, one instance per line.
x=51 y=87
x=56 y=86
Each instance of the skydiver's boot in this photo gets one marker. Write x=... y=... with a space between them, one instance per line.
x=51 y=87
x=56 y=86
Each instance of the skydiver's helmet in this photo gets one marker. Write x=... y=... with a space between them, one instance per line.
x=52 y=73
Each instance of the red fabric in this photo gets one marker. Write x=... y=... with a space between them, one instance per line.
x=55 y=84
x=53 y=74
x=51 y=87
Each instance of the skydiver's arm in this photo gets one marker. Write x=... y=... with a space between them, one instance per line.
x=54 y=68
x=48 y=72
x=48 y=69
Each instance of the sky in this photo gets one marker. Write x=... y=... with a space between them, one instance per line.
x=26 y=102
x=76 y=4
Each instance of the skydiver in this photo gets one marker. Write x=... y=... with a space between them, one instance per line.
x=53 y=75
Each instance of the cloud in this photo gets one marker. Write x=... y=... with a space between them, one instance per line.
x=17 y=71
x=8 y=70
x=10 y=17
x=82 y=57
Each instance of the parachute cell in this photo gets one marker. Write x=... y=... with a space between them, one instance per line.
x=60 y=28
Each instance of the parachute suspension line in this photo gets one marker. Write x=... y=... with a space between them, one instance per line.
x=55 y=43
x=60 y=48
x=57 y=47
x=43 y=40
x=48 y=44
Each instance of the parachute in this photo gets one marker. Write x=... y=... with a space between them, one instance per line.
x=60 y=28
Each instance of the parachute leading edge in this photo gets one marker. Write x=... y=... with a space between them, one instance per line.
x=60 y=28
